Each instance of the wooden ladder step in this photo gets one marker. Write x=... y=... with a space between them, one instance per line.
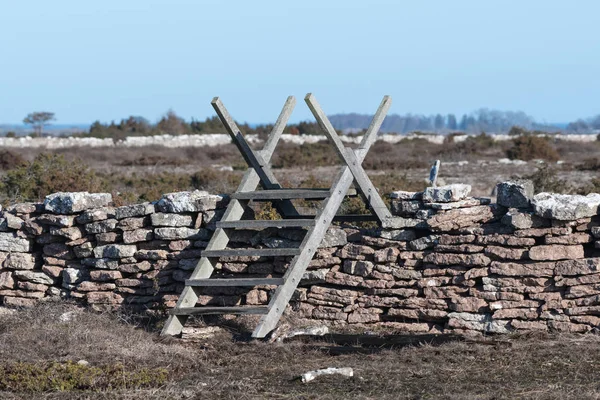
x=263 y=224
x=340 y=218
x=280 y=194
x=234 y=282
x=219 y=310
x=288 y=251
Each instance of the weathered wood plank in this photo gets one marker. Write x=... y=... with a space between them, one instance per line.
x=234 y=282
x=251 y=252
x=263 y=224
x=278 y=194
x=187 y=311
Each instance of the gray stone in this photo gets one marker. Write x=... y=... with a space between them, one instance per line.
x=136 y=210
x=72 y=276
x=470 y=202
x=94 y=215
x=74 y=202
x=361 y=268
x=401 y=222
x=115 y=251
x=446 y=194
x=57 y=220
x=334 y=237
x=523 y=220
x=84 y=250
x=100 y=263
x=34 y=277
x=425 y=242
x=181 y=233
x=13 y=222
x=515 y=194
x=566 y=207
x=10 y=242
x=195 y=201
x=6 y=280
x=404 y=195
x=19 y=261
x=401 y=234
x=139 y=235
x=163 y=219
x=104 y=226
x=72 y=233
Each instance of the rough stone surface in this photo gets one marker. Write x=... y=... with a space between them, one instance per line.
x=10 y=242
x=188 y=202
x=515 y=194
x=446 y=194
x=73 y=202
x=556 y=252
x=566 y=207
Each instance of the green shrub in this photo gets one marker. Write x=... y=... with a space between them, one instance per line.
x=46 y=174
x=532 y=147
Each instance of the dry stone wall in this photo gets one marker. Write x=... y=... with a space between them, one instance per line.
x=446 y=262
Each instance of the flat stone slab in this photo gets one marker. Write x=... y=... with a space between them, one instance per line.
x=470 y=202
x=74 y=202
x=404 y=195
x=195 y=201
x=566 y=207
x=446 y=194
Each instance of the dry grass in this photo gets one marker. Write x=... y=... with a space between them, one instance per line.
x=393 y=367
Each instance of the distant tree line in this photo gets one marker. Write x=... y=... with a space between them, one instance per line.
x=483 y=120
x=585 y=126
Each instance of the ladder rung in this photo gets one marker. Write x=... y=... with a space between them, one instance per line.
x=234 y=281
x=262 y=224
x=343 y=218
x=252 y=252
x=279 y=194
x=219 y=310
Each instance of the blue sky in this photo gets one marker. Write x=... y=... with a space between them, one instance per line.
x=88 y=60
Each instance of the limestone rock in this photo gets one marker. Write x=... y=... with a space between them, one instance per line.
x=181 y=233
x=334 y=237
x=515 y=194
x=195 y=201
x=578 y=267
x=525 y=269
x=74 y=202
x=404 y=195
x=115 y=251
x=566 y=207
x=10 y=242
x=524 y=220
x=19 y=261
x=136 y=210
x=446 y=194
x=164 y=219
x=556 y=252
x=461 y=218
x=35 y=277
x=6 y=280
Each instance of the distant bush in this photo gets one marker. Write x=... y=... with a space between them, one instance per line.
x=305 y=155
x=589 y=164
x=546 y=180
x=46 y=174
x=532 y=147
x=9 y=159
